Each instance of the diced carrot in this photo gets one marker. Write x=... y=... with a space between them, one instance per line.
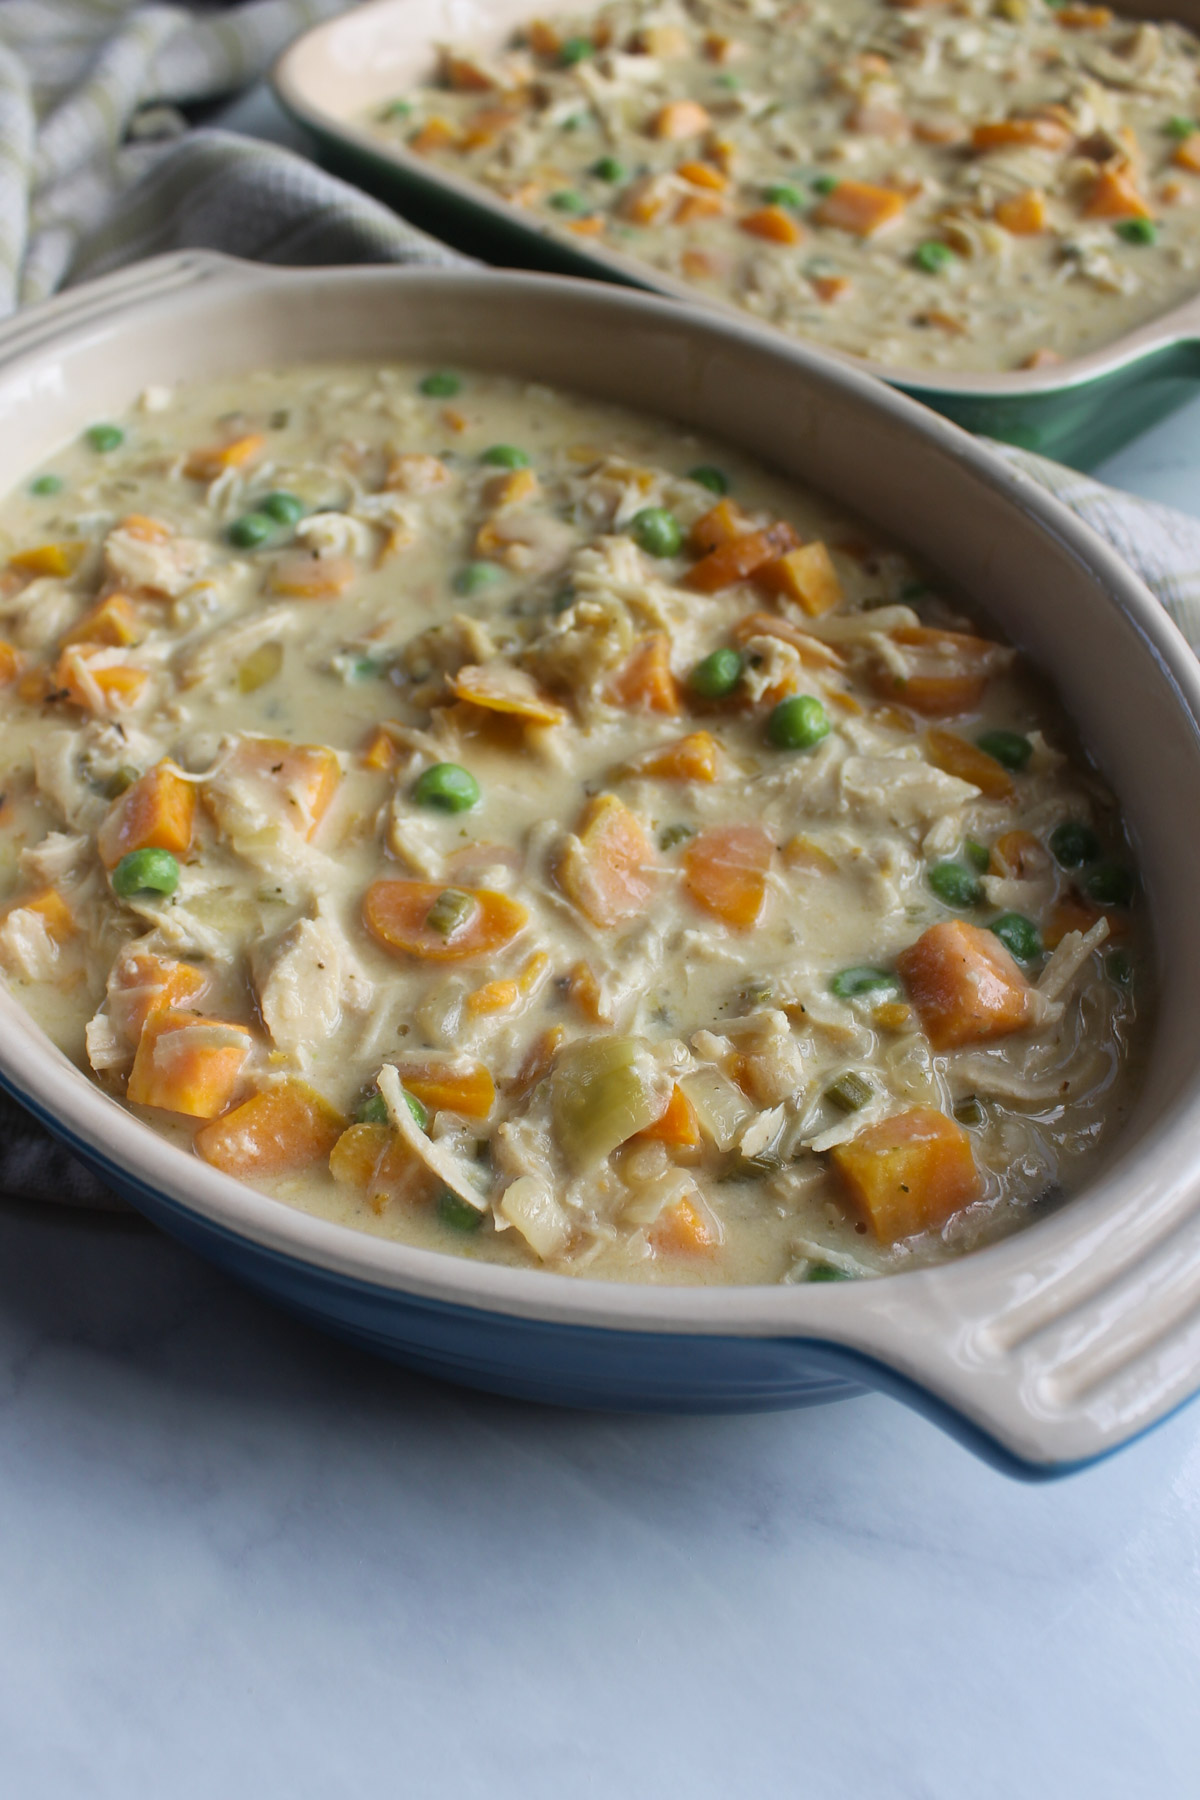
x=719 y=526
x=948 y=671
x=276 y=1132
x=379 y=751
x=679 y=1125
x=741 y=557
x=956 y=756
x=157 y=813
x=811 y=649
x=211 y=460
x=112 y=621
x=1074 y=913
x=828 y=288
x=51 y=908
x=304 y=577
x=395 y=913
x=680 y=119
x=703 y=175
x=460 y=1087
x=300 y=779
x=502 y=688
x=10 y=664
x=98 y=678
x=1187 y=154
x=909 y=1173
x=1019 y=855
x=699 y=206
x=860 y=207
x=964 y=984
x=805 y=575
x=773 y=223
x=725 y=872
x=645 y=681
x=719 y=48
x=608 y=868
x=464 y=75
x=435 y=134
x=543 y=38
x=1024 y=214
x=145 y=983
x=376 y=1160
x=691 y=758
x=682 y=1228
x=187 y=1064
x=1006 y=134
x=492 y=997
x=891 y=1015
x=486 y=125
x=1083 y=18
x=510 y=487
x=60 y=559
x=1115 y=195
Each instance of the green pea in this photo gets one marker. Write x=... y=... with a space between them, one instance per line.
x=46 y=484
x=567 y=200
x=1180 y=128
x=978 y=855
x=657 y=531
x=970 y=1112
x=1110 y=884
x=1137 y=231
x=717 y=674
x=285 y=509
x=1119 y=967
x=932 y=256
x=1007 y=747
x=573 y=123
x=120 y=781
x=823 y=184
x=575 y=50
x=847 y=984
x=476 y=576
x=607 y=168
x=731 y=83
x=448 y=786
x=458 y=1213
x=707 y=475
x=1018 y=935
x=1073 y=844
x=374 y=1111
x=251 y=530
x=451 y=911
x=670 y=835
x=954 y=885
x=797 y=723
x=145 y=871
x=104 y=437
x=827 y=1272
x=782 y=193
x=505 y=456
x=441 y=385
x=849 y=1093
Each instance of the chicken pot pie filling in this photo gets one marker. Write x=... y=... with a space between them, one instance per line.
x=505 y=823
x=987 y=185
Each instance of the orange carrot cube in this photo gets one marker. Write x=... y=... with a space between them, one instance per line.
x=1115 y=195
x=909 y=1173
x=743 y=556
x=860 y=207
x=964 y=984
x=608 y=868
x=691 y=758
x=774 y=223
x=1024 y=214
x=156 y=813
x=278 y=1131
x=212 y=460
x=186 y=1064
x=1005 y=134
x=678 y=1126
x=805 y=575
x=460 y=1087
x=956 y=756
x=645 y=681
x=60 y=559
x=725 y=872
x=680 y=119
x=112 y=621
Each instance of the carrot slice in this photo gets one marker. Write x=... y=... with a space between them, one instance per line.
x=725 y=872
x=947 y=675
x=953 y=754
x=295 y=781
x=909 y=1173
x=396 y=914
x=276 y=1132
x=10 y=664
x=465 y=1087
x=680 y=119
x=1115 y=195
x=741 y=557
x=211 y=460
x=51 y=908
x=717 y=527
x=1024 y=215
x=608 y=869
x=860 y=207
x=691 y=758
x=98 y=678
x=112 y=621
x=964 y=984
x=699 y=206
x=805 y=575
x=156 y=813
x=146 y=983
x=645 y=681
x=60 y=559
x=375 y=1159
x=499 y=687
x=678 y=1126
x=304 y=577
x=773 y=223
x=682 y=1228
x=1005 y=134
x=186 y=1064
x=703 y=175
x=1187 y=154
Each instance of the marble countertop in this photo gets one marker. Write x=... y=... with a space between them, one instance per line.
x=238 y=1559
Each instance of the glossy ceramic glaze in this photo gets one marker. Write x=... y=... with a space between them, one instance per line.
x=1049 y=1349
x=1078 y=411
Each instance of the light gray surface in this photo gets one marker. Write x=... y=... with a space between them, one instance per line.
x=237 y=1559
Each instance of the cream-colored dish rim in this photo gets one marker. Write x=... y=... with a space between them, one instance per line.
x=1062 y=1341
x=332 y=76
